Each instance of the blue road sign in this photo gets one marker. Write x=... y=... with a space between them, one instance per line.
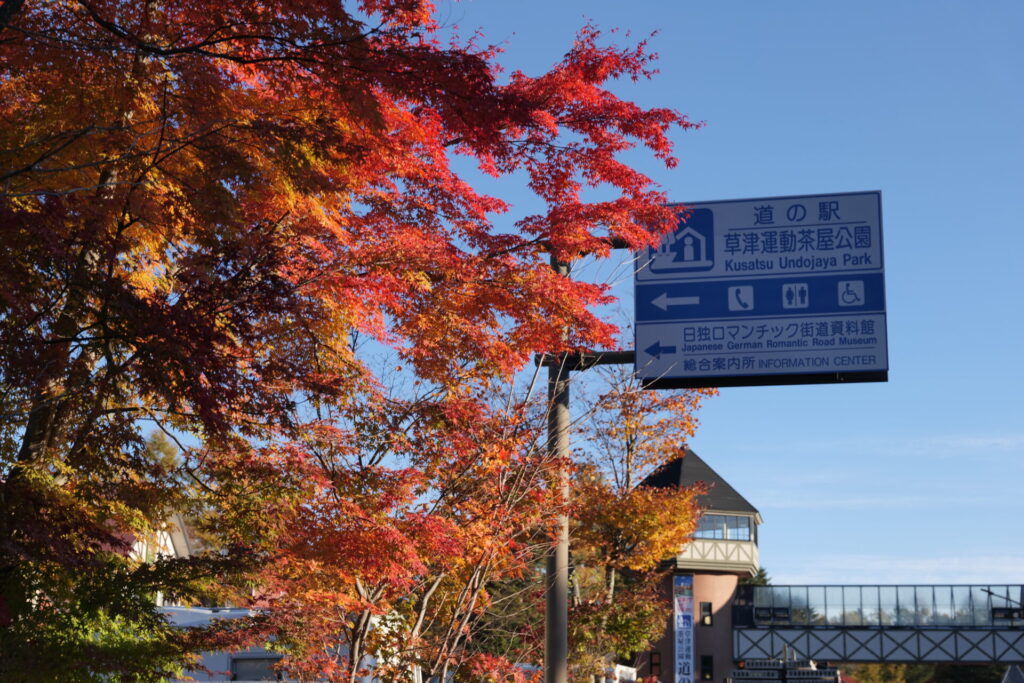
x=778 y=290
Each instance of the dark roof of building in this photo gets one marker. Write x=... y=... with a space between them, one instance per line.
x=690 y=469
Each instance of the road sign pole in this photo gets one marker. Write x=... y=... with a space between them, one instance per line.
x=556 y=635
x=556 y=616
x=556 y=651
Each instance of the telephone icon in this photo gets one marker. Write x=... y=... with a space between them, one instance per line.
x=741 y=298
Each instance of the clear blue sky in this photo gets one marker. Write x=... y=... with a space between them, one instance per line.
x=914 y=480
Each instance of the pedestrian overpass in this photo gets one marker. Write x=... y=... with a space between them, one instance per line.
x=966 y=624
x=715 y=623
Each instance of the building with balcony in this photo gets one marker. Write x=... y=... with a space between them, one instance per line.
x=705 y=575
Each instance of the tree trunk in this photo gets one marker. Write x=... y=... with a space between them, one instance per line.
x=609 y=583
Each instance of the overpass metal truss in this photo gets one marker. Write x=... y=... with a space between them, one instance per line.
x=980 y=624
x=882 y=644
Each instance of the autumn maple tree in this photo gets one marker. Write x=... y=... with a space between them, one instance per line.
x=622 y=531
x=231 y=223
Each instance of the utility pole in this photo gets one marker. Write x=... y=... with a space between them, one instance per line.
x=556 y=616
x=556 y=634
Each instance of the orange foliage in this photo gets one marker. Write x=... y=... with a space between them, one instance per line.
x=633 y=433
x=635 y=529
x=205 y=208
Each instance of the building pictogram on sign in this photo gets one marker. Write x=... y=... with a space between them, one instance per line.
x=689 y=248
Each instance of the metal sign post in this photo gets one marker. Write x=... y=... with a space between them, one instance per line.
x=556 y=614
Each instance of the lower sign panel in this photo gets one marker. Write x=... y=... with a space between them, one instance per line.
x=753 y=351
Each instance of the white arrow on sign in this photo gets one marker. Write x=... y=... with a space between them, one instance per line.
x=664 y=301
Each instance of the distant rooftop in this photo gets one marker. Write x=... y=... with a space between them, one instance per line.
x=690 y=469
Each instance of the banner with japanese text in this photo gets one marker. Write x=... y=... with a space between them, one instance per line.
x=682 y=607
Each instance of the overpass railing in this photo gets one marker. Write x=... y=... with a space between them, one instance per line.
x=943 y=606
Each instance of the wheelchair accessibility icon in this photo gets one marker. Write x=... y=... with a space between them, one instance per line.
x=851 y=293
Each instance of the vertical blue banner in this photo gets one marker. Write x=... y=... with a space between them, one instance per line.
x=682 y=621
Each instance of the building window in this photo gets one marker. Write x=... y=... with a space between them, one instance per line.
x=725 y=528
x=705 y=614
x=655 y=663
x=254 y=668
x=707 y=668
